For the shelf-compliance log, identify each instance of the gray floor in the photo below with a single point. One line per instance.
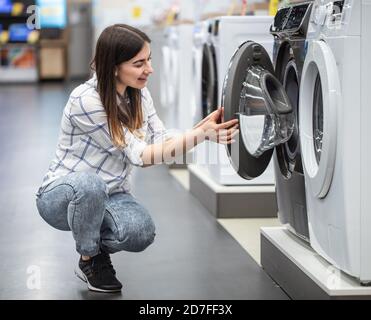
(193, 257)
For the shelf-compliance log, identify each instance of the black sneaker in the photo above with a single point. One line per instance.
(99, 273)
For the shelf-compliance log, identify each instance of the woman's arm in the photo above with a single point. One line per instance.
(208, 129)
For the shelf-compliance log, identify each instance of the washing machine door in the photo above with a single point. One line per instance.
(319, 101)
(209, 80)
(253, 94)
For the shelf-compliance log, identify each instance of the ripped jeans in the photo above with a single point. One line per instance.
(98, 221)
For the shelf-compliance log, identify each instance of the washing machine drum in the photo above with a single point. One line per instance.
(253, 94)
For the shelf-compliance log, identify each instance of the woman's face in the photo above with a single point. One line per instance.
(135, 72)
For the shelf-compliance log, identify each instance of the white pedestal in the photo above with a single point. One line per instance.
(301, 272)
(254, 201)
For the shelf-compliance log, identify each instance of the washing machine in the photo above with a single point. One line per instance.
(156, 83)
(334, 116)
(226, 34)
(290, 32)
(170, 74)
(177, 54)
(266, 101)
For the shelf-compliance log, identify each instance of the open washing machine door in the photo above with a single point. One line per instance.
(319, 101)
(209, 80)
(253, 94)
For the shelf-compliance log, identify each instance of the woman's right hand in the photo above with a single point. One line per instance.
(215, 130)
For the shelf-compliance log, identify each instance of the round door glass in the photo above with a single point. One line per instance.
(266, 113)
(318, 118)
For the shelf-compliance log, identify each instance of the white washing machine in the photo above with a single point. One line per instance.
(335, 131)
(170, 71)
(164, 72)
(227, 34)
(177, 55)
(156, 83)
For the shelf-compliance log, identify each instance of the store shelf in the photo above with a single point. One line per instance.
(18, 63)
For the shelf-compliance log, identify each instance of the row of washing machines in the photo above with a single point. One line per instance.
(298, 84)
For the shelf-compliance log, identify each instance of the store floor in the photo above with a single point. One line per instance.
(193, 256)
(246, 231)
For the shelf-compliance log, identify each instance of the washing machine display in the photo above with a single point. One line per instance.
(295, 18)
(334, 133)
(275, 132)
(280, 19)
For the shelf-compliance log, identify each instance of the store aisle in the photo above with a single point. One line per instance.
(193, 257)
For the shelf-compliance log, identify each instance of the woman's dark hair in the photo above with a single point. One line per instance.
(116, 44)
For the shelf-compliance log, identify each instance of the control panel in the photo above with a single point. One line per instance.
(296, 16)
(290, 18)
(329, 14)
(280, 19)
(338, 6)
(337, 12)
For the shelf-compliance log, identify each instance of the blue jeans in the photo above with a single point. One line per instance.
(98, 221)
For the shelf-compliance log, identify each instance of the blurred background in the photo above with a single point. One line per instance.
(63, 46)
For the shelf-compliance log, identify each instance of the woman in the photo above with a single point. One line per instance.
(108, 126)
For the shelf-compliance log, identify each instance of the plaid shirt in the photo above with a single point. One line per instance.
(85, 143)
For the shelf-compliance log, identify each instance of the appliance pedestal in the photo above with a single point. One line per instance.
(253, 201)
(301, 272)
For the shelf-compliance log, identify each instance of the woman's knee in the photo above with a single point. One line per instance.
(137, 235)
(147, 235)
(141, 233)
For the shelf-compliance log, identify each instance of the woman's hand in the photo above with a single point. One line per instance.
(209, 128)
(216, 131)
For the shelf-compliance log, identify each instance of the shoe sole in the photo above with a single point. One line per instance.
(83, 277)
